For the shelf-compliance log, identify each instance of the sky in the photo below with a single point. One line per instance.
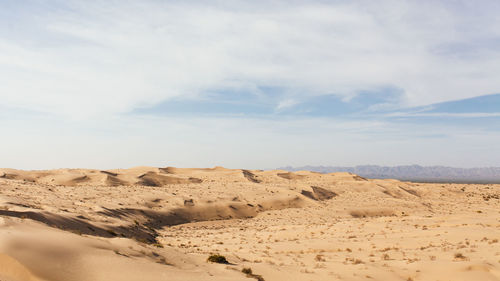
(249, 84)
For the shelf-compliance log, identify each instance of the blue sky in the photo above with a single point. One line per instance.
(257, 84)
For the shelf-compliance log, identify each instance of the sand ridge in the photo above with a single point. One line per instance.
(283, 225)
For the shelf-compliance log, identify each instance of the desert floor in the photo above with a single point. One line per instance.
(163, 223)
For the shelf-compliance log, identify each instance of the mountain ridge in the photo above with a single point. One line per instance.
(413, 172)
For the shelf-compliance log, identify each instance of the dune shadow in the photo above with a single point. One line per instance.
(80, 226)
(142, 224)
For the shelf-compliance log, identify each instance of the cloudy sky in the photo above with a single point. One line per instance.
(249, 84)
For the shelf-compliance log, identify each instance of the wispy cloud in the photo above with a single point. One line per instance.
(286, 104)
(82, 59)
(444, 114)
(253, 84)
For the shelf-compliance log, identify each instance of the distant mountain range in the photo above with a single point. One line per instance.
(414, 173)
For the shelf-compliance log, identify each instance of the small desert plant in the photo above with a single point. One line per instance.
(217, 259)
(248, 272)
(259, 278)
(357, 261)
(460, 256)
(319, 258)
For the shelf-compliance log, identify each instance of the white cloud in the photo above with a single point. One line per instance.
(445, 114)
(287, 103)
(97, 58)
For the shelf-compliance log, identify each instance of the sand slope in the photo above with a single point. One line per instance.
(149, 223)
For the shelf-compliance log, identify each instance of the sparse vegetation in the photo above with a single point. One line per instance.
(460, 256)
(216, 258)
(248, 272)
(320, 258)
(308, 239)
(357, 261)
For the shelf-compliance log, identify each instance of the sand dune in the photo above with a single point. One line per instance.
(147, 176)
(148, 223)
(11, 270)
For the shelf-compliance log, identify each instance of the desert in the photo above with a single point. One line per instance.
(148, 223)
(284, 140)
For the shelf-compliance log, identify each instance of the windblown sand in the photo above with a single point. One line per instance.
(163, 223)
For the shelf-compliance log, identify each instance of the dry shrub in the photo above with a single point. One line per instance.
(217, 259)
(460, 256)
(320, 258)
(248, 272)
(357, 261)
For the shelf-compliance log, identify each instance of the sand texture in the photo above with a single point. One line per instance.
(156, 224)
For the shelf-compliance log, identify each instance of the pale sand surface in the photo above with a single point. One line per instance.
(162, 223)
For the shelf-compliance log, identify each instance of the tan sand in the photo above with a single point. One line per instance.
(150, 223)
